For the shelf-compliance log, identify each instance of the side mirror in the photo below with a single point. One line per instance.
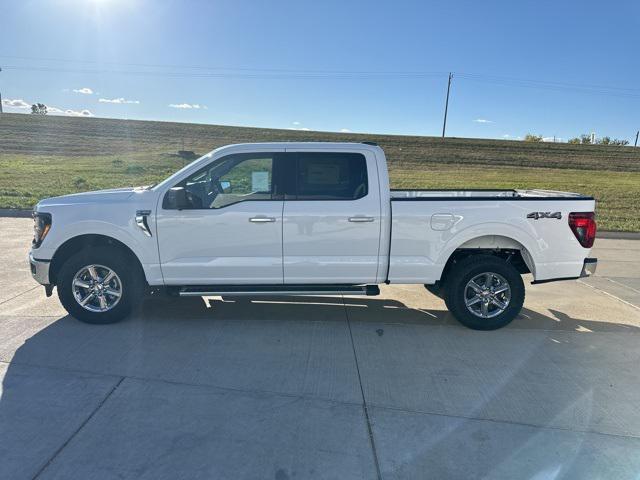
(175, 199)
(226, 186)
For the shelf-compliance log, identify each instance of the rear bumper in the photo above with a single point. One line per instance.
(588, 268)
(39, 270)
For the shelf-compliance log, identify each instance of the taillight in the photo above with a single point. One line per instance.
(583, 226)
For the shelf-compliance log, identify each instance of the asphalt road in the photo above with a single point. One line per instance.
(322, 387)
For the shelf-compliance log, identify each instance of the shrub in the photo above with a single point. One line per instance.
(80, 182)
(618, 142)
(529, 137)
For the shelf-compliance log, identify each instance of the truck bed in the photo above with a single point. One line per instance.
(480, 194)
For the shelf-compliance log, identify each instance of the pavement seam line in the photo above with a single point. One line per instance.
(341, 402)
(508, 422)
(609, 295)
(372, 441)
(184, 384)
(72, 436)
(19, 294)
(622, 285)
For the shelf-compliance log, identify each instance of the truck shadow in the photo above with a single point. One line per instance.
(276, 345)
(361, 309)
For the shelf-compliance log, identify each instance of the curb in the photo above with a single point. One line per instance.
(20, 213)
(15, 213)
(618, 235)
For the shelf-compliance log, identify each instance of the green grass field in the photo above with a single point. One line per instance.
(46, 156)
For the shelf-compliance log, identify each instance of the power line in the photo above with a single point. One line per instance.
(234, 74)
(284, 74)
(214, 70)
(524, 81)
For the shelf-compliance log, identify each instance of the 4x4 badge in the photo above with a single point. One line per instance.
(537, 215)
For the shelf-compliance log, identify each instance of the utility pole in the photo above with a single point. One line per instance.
(446, 106)
(635, 144)
(0, 97)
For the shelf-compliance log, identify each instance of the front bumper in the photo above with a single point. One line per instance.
(39, 270)
(589, 267)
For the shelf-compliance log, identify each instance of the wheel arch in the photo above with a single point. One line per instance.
(83, 242)
(511, 250)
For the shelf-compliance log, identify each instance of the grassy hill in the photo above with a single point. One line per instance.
(46, 156)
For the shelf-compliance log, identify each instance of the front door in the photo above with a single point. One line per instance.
(230, 232)
(331, 229)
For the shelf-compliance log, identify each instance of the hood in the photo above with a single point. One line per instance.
(113, 195)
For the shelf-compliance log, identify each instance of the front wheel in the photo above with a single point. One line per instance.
(484, 292)
(99, 286)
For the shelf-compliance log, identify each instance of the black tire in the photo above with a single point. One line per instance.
(130, 277)
(456, 293)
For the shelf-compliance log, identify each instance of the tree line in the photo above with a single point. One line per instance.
(583, 139)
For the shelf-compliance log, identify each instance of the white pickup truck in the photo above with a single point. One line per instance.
(306, 219)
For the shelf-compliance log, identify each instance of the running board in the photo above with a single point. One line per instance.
(273, 290)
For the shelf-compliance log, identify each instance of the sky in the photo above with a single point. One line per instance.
(557, 69)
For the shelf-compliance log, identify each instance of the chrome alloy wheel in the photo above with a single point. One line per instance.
(97, 288)
(487, 295)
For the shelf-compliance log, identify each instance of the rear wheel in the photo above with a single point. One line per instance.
(484, 292)
(99, 285)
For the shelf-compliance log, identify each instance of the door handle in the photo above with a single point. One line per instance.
(262, 219)
(361, 219)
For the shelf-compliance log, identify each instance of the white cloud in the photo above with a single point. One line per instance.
(345, 130)
(69, 112)
(83, 90)
(16, 103)
(19, 103)
(483, 120)
(81, 113)
(195, 106)
(298, 127)
(117, 100)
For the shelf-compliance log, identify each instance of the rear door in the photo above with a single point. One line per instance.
(331, 218)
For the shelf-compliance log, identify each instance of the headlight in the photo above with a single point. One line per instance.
(41, 226)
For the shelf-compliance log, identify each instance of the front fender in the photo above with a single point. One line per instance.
(120, 228)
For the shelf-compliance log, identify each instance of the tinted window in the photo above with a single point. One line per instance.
(230, 180)
(331, 176)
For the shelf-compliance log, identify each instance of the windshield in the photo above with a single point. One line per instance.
(173, 177)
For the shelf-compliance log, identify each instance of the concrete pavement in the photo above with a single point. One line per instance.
(618, 269)
(322, 387)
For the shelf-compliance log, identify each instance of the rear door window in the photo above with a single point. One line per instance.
(331, 176)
